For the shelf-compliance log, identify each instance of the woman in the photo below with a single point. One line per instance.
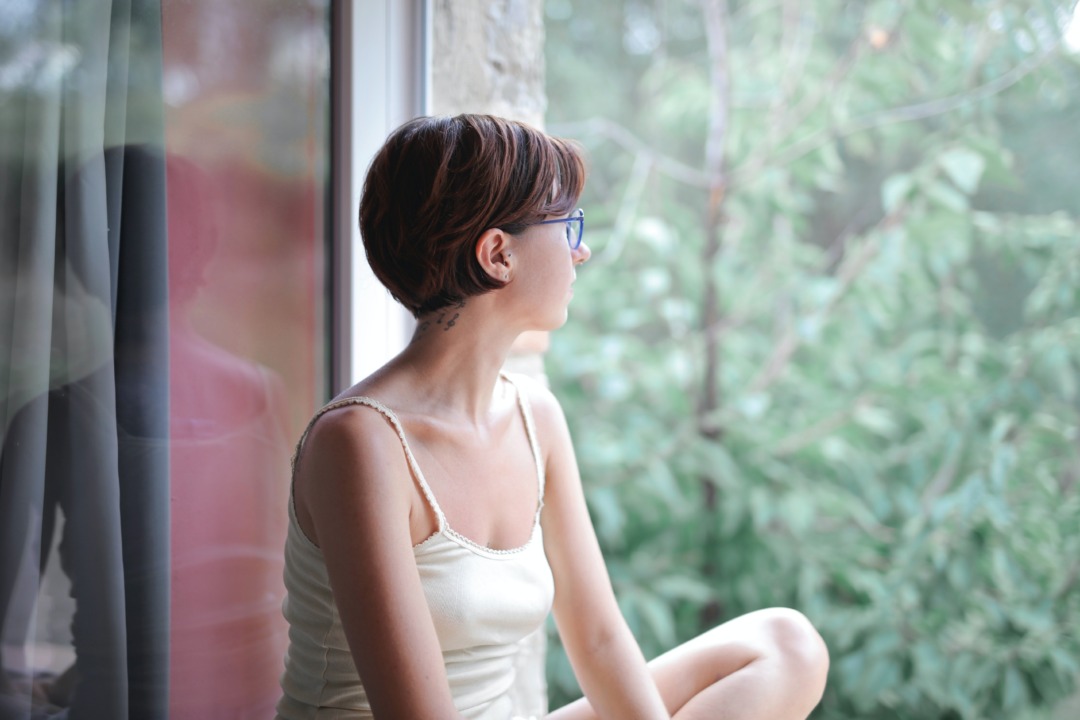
(437, 510)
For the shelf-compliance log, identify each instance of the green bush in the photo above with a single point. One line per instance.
(889, 320)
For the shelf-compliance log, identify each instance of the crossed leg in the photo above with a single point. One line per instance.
(765, 665)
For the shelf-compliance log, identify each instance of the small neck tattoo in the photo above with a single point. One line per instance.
(446, 318)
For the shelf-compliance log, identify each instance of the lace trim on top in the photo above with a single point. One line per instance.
(443, 526)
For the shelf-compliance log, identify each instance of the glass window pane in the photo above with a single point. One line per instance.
(245, 87)
(163, 196)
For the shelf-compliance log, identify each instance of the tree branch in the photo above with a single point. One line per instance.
(716, 27)
(943, 478)
(905, 113)
(715, 16)
(693, 177)
(624, 138)
(840, 71)
(790, 341)
(631, 200)
(793, 442)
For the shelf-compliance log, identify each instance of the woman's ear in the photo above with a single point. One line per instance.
(493, 252)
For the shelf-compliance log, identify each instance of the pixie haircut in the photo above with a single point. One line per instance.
(439, 183)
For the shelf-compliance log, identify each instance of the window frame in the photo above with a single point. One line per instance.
(380, 77)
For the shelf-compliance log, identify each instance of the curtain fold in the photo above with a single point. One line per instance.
(84, 356)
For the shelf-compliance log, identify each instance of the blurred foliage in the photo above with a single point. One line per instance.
(895, 449)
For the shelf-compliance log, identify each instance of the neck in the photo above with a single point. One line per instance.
(451, 366)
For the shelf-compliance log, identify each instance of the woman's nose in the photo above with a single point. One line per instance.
(582, 253)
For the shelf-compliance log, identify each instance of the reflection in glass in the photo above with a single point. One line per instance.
(245, 86)
(161, 340)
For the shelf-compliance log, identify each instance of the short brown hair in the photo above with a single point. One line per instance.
(438, 183)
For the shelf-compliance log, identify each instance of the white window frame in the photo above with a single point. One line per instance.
(380, 78)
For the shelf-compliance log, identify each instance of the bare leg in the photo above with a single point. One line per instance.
(766, 665)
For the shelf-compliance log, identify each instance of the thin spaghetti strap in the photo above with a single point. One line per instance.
(530, 430)
(396, 424)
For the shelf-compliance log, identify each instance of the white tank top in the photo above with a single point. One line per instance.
(483, 602)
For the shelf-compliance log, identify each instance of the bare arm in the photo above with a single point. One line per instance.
(605, 656)
(354, 485)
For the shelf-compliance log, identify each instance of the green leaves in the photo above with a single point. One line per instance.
(897, 321)
(895, 190)
(964, 167)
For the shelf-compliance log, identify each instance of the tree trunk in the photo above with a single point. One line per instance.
(716, 26)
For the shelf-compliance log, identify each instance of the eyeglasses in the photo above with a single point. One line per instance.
(573, 236)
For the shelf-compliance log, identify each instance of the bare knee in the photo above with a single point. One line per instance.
(793, 639)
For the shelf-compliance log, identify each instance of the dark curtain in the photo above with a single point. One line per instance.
(83, 354)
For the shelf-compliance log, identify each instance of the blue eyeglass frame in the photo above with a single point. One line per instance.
(574, 241)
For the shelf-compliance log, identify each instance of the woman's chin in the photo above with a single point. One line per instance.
(553, 323)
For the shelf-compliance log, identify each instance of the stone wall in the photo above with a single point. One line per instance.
(488, 57)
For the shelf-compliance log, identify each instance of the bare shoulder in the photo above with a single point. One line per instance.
(351, 458)
(350, 431)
